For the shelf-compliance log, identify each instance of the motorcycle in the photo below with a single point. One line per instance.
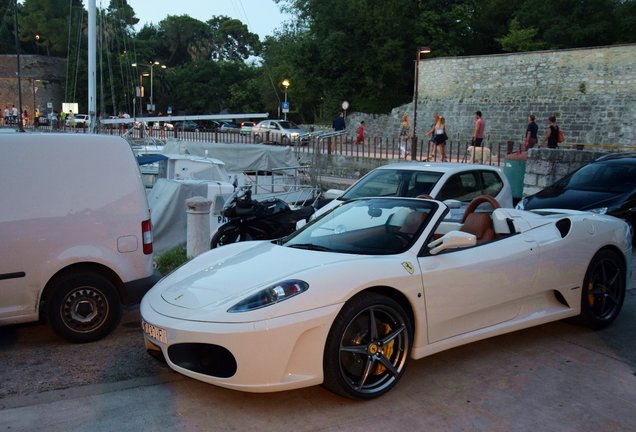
(249, 219)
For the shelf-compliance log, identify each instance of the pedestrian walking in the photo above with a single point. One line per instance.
(361, 130)
(479, 129)
(530, 138)
(431, 141)
(404, 136)
(14, 115)
(338, 123)
(7, 115)
(441, 137)
(551, 136)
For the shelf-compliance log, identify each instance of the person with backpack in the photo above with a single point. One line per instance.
(553, 135)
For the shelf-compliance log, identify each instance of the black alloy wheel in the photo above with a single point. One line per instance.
(368, 347)
(603, 290)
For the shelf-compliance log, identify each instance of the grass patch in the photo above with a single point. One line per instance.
(171, 259)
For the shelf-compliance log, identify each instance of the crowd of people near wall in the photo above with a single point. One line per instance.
(438, 134)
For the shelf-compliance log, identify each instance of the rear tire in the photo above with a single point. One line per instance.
(83, 307)
(603, 290)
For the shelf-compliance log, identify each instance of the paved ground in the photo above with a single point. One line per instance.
(555, 377)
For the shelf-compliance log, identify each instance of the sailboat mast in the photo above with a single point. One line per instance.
(92, 65)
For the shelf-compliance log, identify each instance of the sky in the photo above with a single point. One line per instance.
(261, 16)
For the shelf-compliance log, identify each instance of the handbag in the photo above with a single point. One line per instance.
(560, 136)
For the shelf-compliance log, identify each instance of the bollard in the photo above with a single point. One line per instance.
(198, 226)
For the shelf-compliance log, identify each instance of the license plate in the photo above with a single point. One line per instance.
(154, 332)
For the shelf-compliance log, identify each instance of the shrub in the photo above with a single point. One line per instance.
(171, 259)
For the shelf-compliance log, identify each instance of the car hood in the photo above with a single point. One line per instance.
(572, 199)
(220, 278)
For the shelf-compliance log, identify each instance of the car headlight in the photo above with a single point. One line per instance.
(600, 210)
(271, 295)
(521, 205)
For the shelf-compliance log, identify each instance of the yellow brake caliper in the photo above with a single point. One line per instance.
(388, 351)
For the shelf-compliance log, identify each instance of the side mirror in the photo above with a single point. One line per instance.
(452, 240)
(333, 193)
(453, 203)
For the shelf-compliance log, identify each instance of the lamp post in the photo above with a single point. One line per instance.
(418, 55)
(151, 66)
(285, 84)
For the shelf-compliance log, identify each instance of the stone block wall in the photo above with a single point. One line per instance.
(545, 166)
(42, 81)
(592, 92)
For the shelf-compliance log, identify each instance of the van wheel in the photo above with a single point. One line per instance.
(83, 307)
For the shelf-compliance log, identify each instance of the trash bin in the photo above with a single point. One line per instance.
(515, 170)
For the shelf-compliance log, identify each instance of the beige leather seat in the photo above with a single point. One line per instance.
(412, 222)
(480, 225)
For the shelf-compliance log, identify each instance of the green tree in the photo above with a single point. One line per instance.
(44, 25)
(520, 39)
(231, 40)
(185, 39)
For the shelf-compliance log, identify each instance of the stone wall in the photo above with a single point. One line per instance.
(592, 92)
(545, 166)
(42, 81)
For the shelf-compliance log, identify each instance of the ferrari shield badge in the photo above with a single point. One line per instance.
(408, 267)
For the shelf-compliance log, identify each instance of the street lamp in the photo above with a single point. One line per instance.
(420, 51)
(285, 84)
(151, 66)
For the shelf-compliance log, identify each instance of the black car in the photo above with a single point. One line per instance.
(606, 186)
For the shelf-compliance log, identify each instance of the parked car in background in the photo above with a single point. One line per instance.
(246, 127)
(186, 125)
(229, 126)
(351, 298)
(279, 132)
(604, 186)
(208, 125)
(81, 120)
(162, 125)
(440, 180)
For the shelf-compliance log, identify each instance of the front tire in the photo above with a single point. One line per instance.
(226, 234)
(83, 307)
(368, 347)
(603, 290)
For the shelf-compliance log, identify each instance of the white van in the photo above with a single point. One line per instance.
(75, 232)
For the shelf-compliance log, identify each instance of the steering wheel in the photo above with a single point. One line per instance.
(476, 202)
(424, 196)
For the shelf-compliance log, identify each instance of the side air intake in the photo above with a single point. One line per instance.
(564, 226)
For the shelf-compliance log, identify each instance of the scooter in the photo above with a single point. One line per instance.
(249, 219)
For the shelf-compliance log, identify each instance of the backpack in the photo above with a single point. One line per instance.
(560, 136)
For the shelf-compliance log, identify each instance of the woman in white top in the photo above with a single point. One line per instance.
(441, 137)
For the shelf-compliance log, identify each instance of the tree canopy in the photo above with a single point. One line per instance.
(362, 51)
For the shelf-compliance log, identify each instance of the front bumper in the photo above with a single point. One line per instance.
(279, 354)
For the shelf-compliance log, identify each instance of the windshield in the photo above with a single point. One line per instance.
(389, 182)
(600, 177)
(288, 125)
(370, 226)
